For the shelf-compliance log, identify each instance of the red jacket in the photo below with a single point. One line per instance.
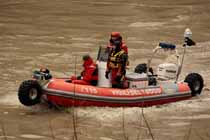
(90, 72)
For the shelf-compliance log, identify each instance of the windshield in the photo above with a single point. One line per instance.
(103, 54)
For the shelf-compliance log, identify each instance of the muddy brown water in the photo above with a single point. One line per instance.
(35, 33)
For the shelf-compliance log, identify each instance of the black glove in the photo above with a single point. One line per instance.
(107, 74)
(79, 77)
(118, 78)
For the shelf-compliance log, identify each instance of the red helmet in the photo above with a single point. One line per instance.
(87, 60)
(115, 34)
(86, 57)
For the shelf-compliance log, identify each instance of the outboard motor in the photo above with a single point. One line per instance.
(167, 71)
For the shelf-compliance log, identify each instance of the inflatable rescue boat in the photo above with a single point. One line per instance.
(144, 87)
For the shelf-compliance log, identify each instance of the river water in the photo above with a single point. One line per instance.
(35, 33)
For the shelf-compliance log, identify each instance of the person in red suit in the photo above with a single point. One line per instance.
(117, 61)
(89, 76)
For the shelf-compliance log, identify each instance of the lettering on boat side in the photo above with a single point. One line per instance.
(133, 92)
(89, 90)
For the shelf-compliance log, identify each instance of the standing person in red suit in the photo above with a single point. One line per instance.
(117, 61)
(89, 76)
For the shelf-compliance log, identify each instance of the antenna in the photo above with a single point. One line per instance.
(187, 37)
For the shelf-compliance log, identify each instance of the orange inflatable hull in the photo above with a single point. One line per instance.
(63, 93)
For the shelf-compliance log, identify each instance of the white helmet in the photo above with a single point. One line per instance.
(188, 33)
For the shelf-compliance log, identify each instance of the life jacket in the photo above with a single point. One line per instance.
(115, 59)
